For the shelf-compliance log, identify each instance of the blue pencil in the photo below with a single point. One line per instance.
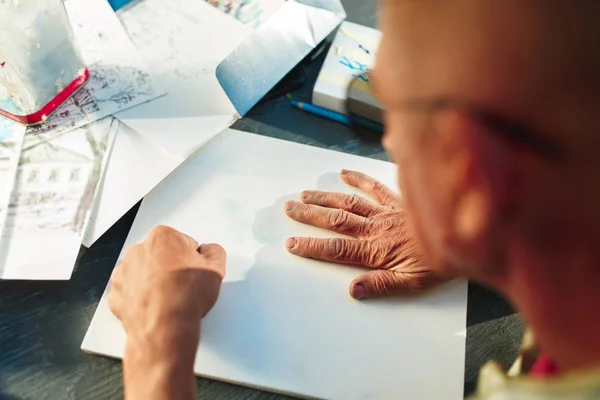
(335, 116)
(322, 112)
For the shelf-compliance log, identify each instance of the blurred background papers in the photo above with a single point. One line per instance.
(215, 68)
(257, 64)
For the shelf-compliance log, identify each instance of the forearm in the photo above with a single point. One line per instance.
(160, 367)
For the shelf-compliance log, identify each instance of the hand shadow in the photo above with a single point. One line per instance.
(251, 336)
(253, 339)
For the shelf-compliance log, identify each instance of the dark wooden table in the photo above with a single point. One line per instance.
(42, 324)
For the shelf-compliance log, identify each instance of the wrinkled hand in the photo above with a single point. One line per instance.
(382, 242)
(168, 282)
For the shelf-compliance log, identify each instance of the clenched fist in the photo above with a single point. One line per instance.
(382, 243)
(160, 292)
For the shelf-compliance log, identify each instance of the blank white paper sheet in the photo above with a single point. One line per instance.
(283, 323)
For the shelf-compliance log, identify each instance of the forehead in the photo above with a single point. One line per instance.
(468, 47)
(505, 53)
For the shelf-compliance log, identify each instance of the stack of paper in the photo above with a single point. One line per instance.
(352, 53)
(52, 171)
(155, 70)
(214, 67)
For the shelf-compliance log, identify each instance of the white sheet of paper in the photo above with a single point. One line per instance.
(56, 183)
(183, 41)
(136, 166)
(283, 323)
(119, 78)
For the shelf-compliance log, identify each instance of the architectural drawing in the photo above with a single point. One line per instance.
(119, 78)
(56, 183)
(57, 179)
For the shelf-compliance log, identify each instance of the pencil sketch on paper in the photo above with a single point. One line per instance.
(165, 31)
(119, 79)
(109, 89)
(250, 12)
(57, 181)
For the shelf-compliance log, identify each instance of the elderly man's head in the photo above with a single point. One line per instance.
(493, 117)
(492, 114)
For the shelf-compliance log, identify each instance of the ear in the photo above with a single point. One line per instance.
(485, 187)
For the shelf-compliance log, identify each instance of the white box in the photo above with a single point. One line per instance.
(352, 52)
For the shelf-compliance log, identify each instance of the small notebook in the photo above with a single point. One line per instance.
(352, 53)
(283, 323)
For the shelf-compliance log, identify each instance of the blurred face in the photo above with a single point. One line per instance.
(486, 52)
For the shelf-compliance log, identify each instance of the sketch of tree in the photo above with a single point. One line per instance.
(119, 85)
(99, 147)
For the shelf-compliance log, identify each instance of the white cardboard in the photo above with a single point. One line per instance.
(284, 323)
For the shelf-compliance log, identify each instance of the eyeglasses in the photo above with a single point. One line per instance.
(365, 114)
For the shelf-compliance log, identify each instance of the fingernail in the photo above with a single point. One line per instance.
(345, 172)
(306, 194)
(291, 243)
(359, 292)
(290, 205)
